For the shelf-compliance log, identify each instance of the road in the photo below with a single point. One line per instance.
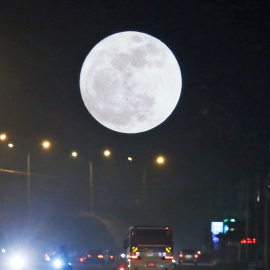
(182, 267)
(77, 266)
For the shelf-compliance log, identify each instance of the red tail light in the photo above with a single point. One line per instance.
(122, 268)
(181, 255)
(81, 259)
(89, 255)
(196, 256)
(168, 257)
(111, 257)
(100, 256)
(134, 257)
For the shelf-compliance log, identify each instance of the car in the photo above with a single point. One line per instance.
(188, 256)
(121, 264)
(109, 256)
(95, 256)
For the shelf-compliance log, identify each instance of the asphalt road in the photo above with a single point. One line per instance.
(77, 266)
(182, 267)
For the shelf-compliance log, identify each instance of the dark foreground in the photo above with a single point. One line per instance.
(182, 267)
(78, 266)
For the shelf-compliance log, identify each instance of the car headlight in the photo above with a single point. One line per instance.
(58, 263)
(17, 262)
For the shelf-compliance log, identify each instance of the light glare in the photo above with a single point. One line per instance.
(58, 263)
(17, 262)
(46, 144)
(74, 154)
(107, 153)
(3, 137)
(160, 160)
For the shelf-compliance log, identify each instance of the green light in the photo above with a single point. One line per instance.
(232, 220)
(225, 220)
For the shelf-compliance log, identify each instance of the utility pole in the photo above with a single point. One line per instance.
(247, 220)
(91, 187)
(266, 210)
(28, 187)
(266, 222)
(258, 200)
(143, 186)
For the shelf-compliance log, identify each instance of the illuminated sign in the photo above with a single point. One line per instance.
(216, 228)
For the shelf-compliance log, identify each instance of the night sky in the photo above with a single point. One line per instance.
(216, 138)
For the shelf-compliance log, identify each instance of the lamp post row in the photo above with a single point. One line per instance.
(160, 160)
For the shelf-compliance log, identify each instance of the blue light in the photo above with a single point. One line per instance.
(215, 238)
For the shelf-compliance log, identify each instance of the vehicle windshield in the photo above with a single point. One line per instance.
(190, 251)
(151, 237)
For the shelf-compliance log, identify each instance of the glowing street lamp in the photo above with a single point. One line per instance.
(74, 154)
(107, 153)
(3, 136)
(130, 159)
(10, 145)
(46, 144)
(160, 160)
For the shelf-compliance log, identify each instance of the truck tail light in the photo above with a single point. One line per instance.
(168, 257)
(134, 257)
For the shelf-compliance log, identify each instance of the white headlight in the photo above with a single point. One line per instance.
(17, 262)
(57, 263)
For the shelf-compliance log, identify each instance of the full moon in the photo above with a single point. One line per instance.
(130, 82)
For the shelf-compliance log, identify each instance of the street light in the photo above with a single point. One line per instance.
(160, 160)
(106, 153)
(45, 145)
(3, 136)
(10, 145)
(74, 154)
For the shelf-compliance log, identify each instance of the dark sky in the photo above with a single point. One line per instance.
(215, 139)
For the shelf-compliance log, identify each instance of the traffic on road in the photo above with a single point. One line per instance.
(146, 247)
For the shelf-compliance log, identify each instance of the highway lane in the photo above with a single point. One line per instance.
(78, 266)
(178, 267)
